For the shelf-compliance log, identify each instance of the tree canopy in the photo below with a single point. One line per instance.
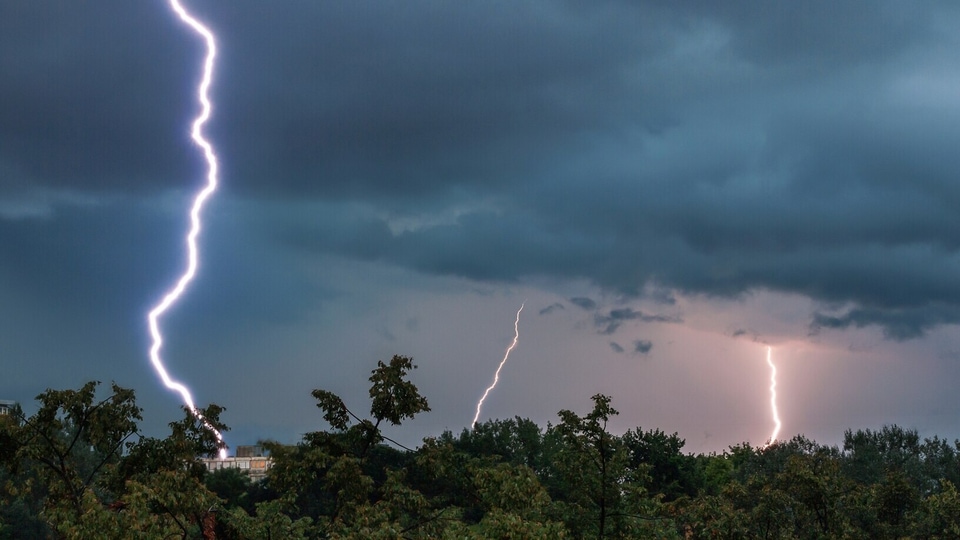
(80, 468)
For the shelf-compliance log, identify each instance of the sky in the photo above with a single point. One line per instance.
(668, 188)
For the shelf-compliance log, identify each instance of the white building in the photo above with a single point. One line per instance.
(249, 459)
(6, 406)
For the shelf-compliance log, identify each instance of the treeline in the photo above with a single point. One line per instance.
(79, 468)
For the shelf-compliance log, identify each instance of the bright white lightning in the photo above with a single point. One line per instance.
(496, 376)
(773, 398)
(173, 294)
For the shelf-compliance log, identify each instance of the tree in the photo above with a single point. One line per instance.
(518, 441)
(938, 516)
(69, 443)
(22, 494)
(869, 455)
(79, 468)
(598, 493)
(393, 398)
(671, 472)
(96, 476)
(328, 476)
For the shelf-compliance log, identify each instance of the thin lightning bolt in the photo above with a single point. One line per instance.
(173, 294)
(773, 398)
(496, 376)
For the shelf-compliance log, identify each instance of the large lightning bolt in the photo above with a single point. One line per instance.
(773, 398)
(174, 293)
(496, 376)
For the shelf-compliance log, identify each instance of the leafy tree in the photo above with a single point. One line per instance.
(598, 493)
(97, 478)
(447, 467)
(78, 468)
(268, 521)
(870, 455)
(69, 442)
(894, 498)
(393, 398)
(672, 474)
(813, 492)
(22, 494)
(592, 459)
(712, 517)
(327, 476)
(235, 489)
(518, 441)
(938, 516)
(940, 461)
(712, 472)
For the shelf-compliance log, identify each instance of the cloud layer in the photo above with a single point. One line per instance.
(656, 151)
(628, 144)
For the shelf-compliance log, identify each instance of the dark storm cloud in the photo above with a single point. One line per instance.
(608, 324)
(415, 102)
(642, 346)
(114, 260)
(898, 324)
(551, 308)
(94, 97)
(584, 303)
(700, 148)
(754, 336)
(840, 32)
(615, 347)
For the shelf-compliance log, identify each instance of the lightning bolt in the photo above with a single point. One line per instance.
(496, 376)
(174, 293)
(773, 398)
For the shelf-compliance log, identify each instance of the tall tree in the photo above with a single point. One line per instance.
(70, 442)
(599, 494)
(328, 476)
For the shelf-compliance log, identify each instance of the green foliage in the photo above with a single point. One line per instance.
(80, 465)
(392, 397)
(78, 468)
(334, 410)
(342, 480)
(598, 492)
(672, 474)
(68, 443)
(938, 516)
(267, 522)
(233, 487)
(518, 441)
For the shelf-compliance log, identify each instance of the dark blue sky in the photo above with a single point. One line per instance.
(669, 185)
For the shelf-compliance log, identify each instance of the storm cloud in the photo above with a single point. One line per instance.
(648, 143)
(642, 346)
(551, 308)
(656, 155)
(583, 303)
(609, 323)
